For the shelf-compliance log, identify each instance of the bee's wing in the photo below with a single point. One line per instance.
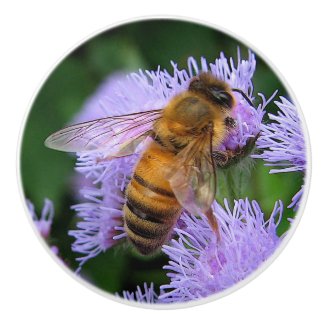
(116, 136)
(193, 176)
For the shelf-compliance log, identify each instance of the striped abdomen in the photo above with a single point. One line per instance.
(151, 208)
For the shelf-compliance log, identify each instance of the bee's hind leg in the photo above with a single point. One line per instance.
(213, 222)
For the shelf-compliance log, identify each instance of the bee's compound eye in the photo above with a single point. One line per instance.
(221, 97)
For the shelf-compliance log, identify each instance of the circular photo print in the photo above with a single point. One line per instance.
(163, 162)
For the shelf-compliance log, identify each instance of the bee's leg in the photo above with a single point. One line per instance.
(213, 223)
(220, 158)
(228, 158)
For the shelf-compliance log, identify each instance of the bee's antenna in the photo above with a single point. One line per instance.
(244, 95)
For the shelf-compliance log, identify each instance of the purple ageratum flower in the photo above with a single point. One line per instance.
(200, 266)
(144, 91)
(282, 140)
(102, 214)
(44, 223)
(145, 295)
(283, 145)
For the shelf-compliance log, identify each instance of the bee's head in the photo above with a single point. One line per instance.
(212, 89)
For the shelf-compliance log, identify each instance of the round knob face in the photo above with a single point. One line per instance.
(139, 203)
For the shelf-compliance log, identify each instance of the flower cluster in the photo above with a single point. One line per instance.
(282, 143)
(200, 265)
(282, 140)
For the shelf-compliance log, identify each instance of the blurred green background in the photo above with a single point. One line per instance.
(48, 173)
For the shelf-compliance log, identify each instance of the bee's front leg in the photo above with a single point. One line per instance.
(225, 159)
(228, 158)
(220, 158)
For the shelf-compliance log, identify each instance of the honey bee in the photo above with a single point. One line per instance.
(177, 168)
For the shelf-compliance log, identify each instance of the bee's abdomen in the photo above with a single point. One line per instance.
(151, 208)
(144, 230)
